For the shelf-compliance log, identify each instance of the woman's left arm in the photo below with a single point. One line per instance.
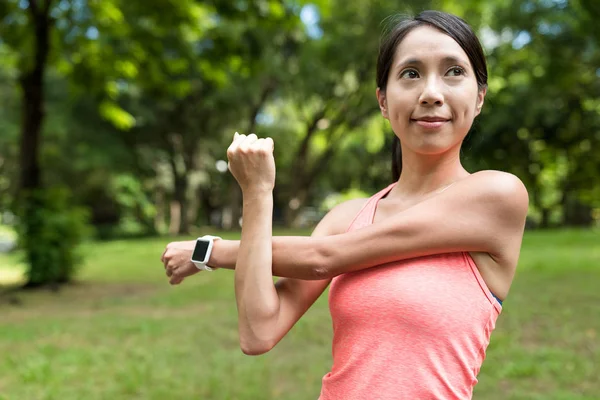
(485, 212)
(482, 213)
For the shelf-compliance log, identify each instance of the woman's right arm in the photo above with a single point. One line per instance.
(296, 296)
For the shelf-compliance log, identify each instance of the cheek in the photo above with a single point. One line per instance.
(401, 103)
(464, 103)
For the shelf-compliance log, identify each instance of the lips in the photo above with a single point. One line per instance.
(431, 122)
(432, 119)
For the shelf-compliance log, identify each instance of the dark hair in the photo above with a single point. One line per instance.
(449, 24)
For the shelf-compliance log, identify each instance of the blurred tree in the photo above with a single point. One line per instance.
(215, 82)
(27, 28)
(543, 112)
(142, 100)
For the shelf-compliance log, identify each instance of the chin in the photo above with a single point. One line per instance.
(434, 148)
(431, 151)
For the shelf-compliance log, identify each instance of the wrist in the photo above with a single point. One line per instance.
(213, 260)
(224, 254)
(257, 192)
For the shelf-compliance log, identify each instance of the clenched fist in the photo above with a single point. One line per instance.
(251, 162)
(177, 261)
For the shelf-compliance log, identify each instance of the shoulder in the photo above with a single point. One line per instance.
(501, 187)
(338, 219)
(503, 193)
(502, 182)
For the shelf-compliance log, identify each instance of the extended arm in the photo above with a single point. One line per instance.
(484, 213)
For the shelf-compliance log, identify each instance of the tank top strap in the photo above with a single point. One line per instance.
(365, 215)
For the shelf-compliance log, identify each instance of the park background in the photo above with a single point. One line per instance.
(114, 121)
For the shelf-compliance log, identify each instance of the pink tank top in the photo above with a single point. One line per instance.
(416, 329)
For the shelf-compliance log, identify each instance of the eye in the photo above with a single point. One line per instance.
(409, 74)
(455, 71)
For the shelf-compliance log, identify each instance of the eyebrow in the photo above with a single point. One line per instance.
(445, 60)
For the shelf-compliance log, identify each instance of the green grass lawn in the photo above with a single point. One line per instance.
(121, 332)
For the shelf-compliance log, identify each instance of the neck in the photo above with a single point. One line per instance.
(422, 175)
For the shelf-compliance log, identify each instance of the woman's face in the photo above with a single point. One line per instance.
(432, 95)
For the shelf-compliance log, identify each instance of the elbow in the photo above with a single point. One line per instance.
(256, 332)
(255, 348)
(321, 264)
(320, 272)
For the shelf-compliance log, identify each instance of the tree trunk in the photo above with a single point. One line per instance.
(575, 213)
(174, 218)
(233, 211)
(33, 117)
(180, 222)
(294, 207)
(159, 201)
(545, 220)
(31, 82)
(32, 86)
(204, 204)
(180, 197)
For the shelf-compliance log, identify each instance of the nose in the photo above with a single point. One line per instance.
(432, 93)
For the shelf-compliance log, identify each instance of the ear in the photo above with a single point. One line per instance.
(381, 99)
(480, 97)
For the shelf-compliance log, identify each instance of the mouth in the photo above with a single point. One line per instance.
(430, 122)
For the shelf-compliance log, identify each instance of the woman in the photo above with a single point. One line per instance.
(418, 271)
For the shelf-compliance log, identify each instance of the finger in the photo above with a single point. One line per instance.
(169, 272)
(238, 136)
(248, 142)
(175, 280)
(162, 258)
(231, 150)
(171, 267)
(266, 145)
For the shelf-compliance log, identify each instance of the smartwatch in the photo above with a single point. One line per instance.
(202, 252)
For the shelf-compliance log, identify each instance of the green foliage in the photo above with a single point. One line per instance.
(154, 90)
(339, 198)
(137, 209)
(50, 231)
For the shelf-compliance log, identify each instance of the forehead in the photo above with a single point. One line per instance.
(426, 42)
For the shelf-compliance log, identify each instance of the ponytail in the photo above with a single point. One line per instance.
(396, 159)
